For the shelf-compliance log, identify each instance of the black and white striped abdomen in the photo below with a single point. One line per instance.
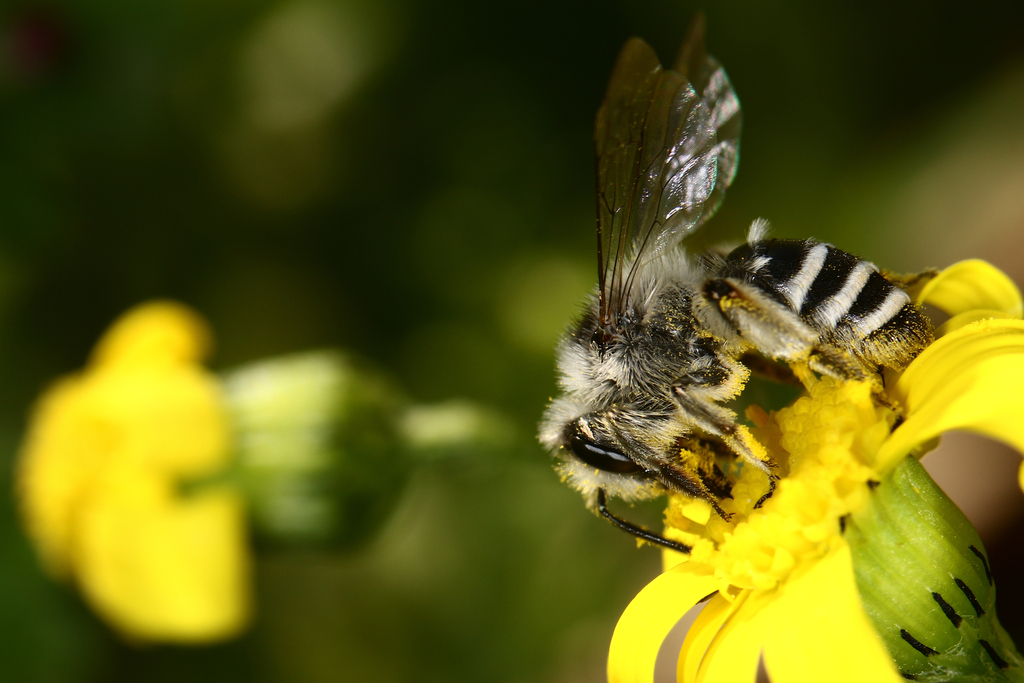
(844, 298)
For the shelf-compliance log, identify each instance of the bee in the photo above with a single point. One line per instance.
(664, 340)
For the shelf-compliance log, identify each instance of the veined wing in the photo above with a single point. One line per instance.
(661, 166)
(712, 84)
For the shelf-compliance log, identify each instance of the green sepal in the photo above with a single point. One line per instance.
(925, 583)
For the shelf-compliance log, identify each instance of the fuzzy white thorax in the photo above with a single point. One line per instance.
(590, 375)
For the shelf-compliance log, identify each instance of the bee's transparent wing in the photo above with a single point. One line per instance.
(660, 160)
(711, 82)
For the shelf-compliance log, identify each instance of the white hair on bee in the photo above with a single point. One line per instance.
(757, 233)
(783, 339)
(672, 267)
(758, 230)
(561, 411)
(832, 310)
(591, 374)
(758, 262)
(727, 390)
(587, 479)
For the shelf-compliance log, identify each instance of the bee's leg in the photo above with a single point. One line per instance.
(911, 280)
(777, 332)
(708, 451)
(721, 422)
(769, 369)
(637, 531)
(743, 311)
(693, 470)
(773, 480)
(833, 362)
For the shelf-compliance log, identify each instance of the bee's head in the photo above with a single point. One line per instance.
(589, 454)
(580, 440)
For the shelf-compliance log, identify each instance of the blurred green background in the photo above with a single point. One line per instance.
(412, 182)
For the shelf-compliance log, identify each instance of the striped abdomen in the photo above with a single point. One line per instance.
(846, 299)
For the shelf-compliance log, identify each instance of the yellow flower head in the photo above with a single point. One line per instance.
(100, 478)
(818, 580)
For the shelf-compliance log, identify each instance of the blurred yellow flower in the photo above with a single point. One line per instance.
(858, 568)
(100, 480)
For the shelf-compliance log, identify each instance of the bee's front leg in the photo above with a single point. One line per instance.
(739, 311)
(721, 422)
(601, 505)
(776, 331)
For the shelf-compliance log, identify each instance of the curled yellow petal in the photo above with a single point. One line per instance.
(700, 636)
(826, 634)
(970, 285)
(736, 649)
(648, 619)
(967, 317)
(970, 379)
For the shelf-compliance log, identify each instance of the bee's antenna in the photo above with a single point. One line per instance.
(639, 532)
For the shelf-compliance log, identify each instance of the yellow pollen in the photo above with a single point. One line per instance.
(825, 445)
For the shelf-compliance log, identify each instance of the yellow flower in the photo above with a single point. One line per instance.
(821, 581)
(100, 479)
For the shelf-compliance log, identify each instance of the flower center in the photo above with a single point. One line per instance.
(825, 444)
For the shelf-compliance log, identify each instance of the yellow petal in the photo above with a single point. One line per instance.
(701, 634)
(736, 649)
(156, 332)
(648, 619)
(970, 285)
(970, 379)
(821, 632)
(162, 570)
(172, 419)
(966, 318)
(62, 450)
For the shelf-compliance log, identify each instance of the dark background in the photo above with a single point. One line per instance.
(412, 181)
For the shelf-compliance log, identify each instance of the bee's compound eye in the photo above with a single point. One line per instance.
(600, 457)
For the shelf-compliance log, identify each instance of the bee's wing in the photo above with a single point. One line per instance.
(661, 166)
(711, 82)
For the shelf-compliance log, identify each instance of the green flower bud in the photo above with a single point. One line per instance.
(926, 585)
(319, 451)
